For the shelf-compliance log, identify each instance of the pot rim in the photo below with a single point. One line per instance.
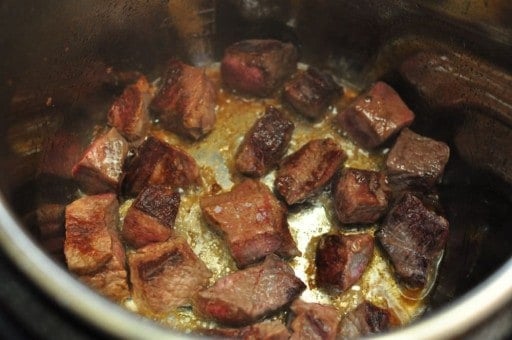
(450, 321)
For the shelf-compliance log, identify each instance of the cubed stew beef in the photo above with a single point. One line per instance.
(164, 189)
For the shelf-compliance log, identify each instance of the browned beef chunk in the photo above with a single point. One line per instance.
(361, 196)
(258, 67)
(413, 237)
(305, 172)
(157, 162)
(267, 330)
(166, 275)
(251, 220)
(49, 219)
(375, 116)
(60, 153)
(129, 112)
(101, 166)
(314, 321)
(151, 216)
(112, 279)
(186, 101)
(310, 93)
(342, 259)
(416, 161)
(264, 144)
(248, 295)
(366, 319)
(92, 247)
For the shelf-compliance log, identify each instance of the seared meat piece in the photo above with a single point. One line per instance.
(129, 112)
(60, 153)
(186, 101)
(366, 319)
(342, 259)
(413, 237)
(269, 330)
(310, 93)
(251, 220)
(264, 144)
(92, 247)
(314, 321)
(112, 279)
(258, 67)
(416, 161)
(375, 116)
(305, 172)
(157, 162)
(166, 275)
(101, 166)
(151, 216)
(361, 196)
(247, 295)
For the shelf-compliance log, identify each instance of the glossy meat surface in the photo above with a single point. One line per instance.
(264, 144)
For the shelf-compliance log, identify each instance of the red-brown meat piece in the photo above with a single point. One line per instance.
(129, 112)
(265, 144)
(361, 196)
(157, 162)
(258, 67)
(248, 295)
(305, 172)
(101, 166)
(92, 247)
(375, 116)
(342, 259)
(416, 161)
(165, 276)
(366, 319)
(268, 330)
(413, 237)
(186, 101)
(251, 220)
(151, 217)
(314, 321)
(311, 92)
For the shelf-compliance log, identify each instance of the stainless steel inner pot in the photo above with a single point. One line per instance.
(60, 60)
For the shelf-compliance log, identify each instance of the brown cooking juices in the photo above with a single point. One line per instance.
(215, 156)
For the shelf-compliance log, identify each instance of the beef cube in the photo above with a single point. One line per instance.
(129, 112)
(305, 172)
(258, 67)
(92, 247)
(112, 279)
(251, 220)
(414, 238)
(365, 320)
(50, 220)
(250, 294)
(269, 330)
(165, 276)
(60, 153)
(186, 101)
(375, 116)
(265, 144)
(157, 162)
(101, 166)
(314, 321)
(361, 196)
(151, 216)
(310, 93)
(416, 161)
(342, 259)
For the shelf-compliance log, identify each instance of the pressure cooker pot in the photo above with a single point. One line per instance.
(446, 66)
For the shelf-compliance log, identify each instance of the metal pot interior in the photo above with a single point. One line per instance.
(63, 61)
